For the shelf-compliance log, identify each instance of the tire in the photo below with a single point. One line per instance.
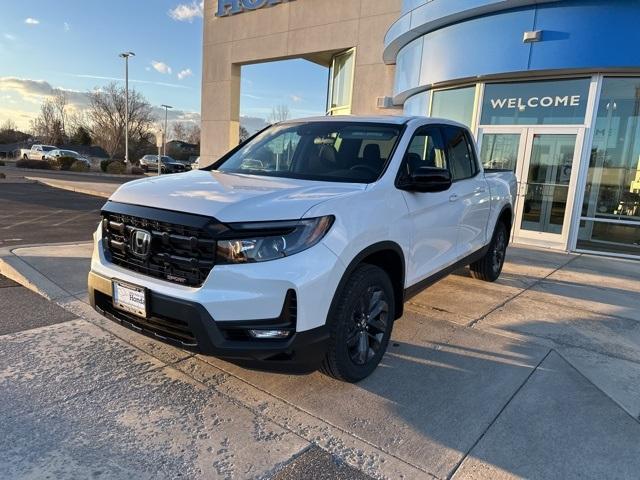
(489, 267)
(352, 323)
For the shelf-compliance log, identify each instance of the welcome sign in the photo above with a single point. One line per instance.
(233, 7)
(559, 102)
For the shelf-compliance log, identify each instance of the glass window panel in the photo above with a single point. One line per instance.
(418, 105)
(341, 80)
(547, 186)
(408, 66)
(499, 151)
(456, 104)
(613, 179)
(609, 237)
(463, 163)
(559, 102)
(426, 150)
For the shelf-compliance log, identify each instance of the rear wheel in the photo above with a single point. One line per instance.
(489, 267)
(360, 326)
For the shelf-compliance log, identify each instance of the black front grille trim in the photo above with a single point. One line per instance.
(183, 246)
(174, 330)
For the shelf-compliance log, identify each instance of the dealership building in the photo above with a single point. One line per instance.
(550, 88)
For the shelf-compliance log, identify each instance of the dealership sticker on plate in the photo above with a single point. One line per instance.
(130, 298)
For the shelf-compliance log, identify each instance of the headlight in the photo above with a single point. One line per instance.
(272, 240)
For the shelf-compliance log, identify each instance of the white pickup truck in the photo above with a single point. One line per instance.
(36, 152)
(298, 248)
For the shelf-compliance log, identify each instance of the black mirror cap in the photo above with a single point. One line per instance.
(427, 179)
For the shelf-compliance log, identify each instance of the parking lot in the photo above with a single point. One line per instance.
(535, 376)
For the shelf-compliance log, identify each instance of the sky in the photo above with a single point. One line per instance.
(73, 45)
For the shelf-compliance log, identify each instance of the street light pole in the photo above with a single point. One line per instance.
(166, 133)
(126, 56)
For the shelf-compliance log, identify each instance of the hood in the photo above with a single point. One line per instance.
(232, 197)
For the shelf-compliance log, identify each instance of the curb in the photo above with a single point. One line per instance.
(55, 184)
(18, 270)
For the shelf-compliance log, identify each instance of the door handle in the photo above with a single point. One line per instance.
(453, 198)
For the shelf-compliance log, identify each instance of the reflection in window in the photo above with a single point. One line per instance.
(418, 105)
(499, 151)
(341, 83)
(612, 192)
(408, 66)
(456, 104)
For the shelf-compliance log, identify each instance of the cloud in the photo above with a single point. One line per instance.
(9, 37)
(185, 73)
(35, 91)
(295, 98)
(31, 21)
(66, 27)
(161, 67)
(187, 12)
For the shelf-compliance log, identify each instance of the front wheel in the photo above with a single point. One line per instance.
(360, 325)
(489, 267)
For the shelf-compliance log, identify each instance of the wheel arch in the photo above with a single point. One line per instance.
(386, 255)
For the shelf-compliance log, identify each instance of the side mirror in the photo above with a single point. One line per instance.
(427, 179)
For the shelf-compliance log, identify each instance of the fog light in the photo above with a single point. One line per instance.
(269, 333)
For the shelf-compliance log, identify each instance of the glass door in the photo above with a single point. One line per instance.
(545, 161)
(547, 179)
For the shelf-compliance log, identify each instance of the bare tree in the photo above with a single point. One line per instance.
(47, 125)
(279, 113)
(8, 126)
(60, 105)
(244, 133)
(179, 131)
(106, 118)
(193, 134)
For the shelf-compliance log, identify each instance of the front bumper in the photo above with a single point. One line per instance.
(189, 325)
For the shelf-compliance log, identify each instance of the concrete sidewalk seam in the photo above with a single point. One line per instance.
(637, 420)
(482, 435)
(473, 323)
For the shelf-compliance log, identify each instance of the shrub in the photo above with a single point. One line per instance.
(2, 176)
(104, 164)
(79, 166)
(137, 171)
(66, 162)
(116, 167)
(39, 164)
(2, 164)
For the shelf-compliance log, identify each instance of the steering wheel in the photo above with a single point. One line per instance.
(362, 166)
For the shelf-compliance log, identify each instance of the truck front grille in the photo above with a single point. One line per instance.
(182, 252)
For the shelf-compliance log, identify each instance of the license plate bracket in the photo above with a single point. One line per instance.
(130, 298)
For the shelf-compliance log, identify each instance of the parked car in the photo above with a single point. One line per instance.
(196, 164)
(298, 248)
(36, 152)
(57, 153)
(149, 163)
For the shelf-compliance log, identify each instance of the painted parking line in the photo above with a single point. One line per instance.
(71, 219)
(30, 220)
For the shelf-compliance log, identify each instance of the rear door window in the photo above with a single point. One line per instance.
(463, 163)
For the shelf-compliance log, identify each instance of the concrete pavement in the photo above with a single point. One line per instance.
(535, 376)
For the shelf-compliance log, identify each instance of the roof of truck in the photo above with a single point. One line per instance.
(389, 119)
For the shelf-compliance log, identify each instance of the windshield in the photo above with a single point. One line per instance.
(328, 151)
(68, 153)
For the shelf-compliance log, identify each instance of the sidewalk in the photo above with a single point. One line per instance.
(536, 376)
(97, 189)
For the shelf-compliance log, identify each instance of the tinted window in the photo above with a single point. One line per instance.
(459, 151)
(425, 150)
(330, 151)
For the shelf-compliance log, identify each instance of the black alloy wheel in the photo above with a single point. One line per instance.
(360, 324)
(370, 319)
(489, 267)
